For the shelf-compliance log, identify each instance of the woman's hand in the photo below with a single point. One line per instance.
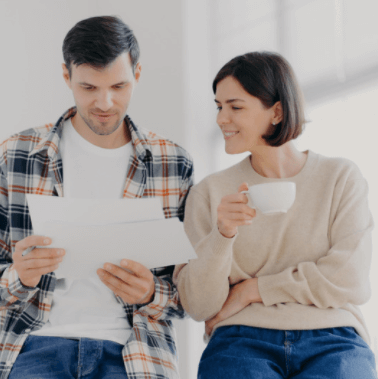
(239, 297)
(233, 211)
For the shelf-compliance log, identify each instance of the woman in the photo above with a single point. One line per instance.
(279, 293)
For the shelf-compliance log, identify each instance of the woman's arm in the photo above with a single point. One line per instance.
(341, 276)
(203, 283)
(240, 296)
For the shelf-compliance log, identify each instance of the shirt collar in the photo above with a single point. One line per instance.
(51, 141)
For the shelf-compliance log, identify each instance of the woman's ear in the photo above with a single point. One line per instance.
(277, 113)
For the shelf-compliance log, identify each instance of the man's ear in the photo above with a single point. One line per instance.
(66, 75)
(138, 69)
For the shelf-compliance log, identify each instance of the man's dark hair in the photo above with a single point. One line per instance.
(98, 41)
(269, 77)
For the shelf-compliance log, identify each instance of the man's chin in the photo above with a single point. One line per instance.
(104, 128)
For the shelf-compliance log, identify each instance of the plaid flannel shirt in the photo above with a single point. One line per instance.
(30, 163)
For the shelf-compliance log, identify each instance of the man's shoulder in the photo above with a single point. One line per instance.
(163, 147)
(25, 140)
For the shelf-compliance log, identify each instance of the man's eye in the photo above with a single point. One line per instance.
(88, 88)
(119, 87)
(236, 108)
(219, 108)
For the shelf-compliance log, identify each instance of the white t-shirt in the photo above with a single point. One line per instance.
(86, 307)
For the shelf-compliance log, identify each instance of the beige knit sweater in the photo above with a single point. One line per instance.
(312, 263)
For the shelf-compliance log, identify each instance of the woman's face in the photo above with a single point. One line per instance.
(242, 117)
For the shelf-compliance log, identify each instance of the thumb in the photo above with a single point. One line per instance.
(243, 187)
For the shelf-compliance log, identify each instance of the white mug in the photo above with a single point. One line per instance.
(272, 198)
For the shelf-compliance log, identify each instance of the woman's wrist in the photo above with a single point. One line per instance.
(252, 291)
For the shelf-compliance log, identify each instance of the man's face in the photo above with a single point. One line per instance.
(102, 96)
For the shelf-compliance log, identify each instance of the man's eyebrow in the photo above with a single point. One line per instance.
(86, 84)
(229, 101)
(91, 85)
(121, 83)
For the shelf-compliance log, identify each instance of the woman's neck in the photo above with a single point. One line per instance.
(278, 162)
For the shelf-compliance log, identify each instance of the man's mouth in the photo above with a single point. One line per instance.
(103, 116)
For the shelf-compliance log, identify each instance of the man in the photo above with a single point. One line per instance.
(115, 324)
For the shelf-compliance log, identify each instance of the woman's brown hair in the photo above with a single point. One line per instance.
(269, 77)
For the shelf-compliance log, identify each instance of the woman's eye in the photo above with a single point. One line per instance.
(236, 108)
(219, 108)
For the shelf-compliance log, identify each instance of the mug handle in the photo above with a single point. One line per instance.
(250, 198)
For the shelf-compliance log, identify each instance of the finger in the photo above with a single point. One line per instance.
(32, 264)
(124, 295)
(243, 187)
(44, 254)
(126, 276)
(237, 216)
(42, 271)
(28, 242)
(118, 286)
(241, 208)
(137, 268)
(31, 241)
(235, 198)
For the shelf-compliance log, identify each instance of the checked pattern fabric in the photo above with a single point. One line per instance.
(30, 163)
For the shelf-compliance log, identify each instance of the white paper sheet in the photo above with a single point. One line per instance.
(97, 231)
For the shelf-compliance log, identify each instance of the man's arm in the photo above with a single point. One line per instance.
(166, 303)
(20, 274)
(153, 292)
(12, 292)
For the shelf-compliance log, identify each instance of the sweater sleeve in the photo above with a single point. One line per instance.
(341, 276)
(203, 283)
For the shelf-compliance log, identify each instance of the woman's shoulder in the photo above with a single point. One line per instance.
(337, 166)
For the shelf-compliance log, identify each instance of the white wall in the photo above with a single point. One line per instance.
(31, 35)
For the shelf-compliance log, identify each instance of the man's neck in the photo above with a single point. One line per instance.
(118, 138)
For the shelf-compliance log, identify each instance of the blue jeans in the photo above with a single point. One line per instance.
(246, 352)
(62, 358)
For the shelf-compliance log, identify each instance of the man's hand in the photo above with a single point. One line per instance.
(233, 211)
(38, 262)
(239, 297)
(132, 282)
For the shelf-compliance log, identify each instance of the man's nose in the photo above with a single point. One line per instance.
(104, 101)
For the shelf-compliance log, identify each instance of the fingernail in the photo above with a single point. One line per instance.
(108, 267)
(101, 273)
(60, 252)
(46, 241)
(124, 263)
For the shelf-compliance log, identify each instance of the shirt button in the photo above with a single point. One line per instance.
(27, 330)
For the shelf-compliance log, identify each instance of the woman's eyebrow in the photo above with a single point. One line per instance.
(229, 101)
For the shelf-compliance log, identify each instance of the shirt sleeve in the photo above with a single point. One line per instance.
(341, 276)
(12, 292)
(203, 283)
(166, 303)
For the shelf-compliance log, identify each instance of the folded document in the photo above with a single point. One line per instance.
(96, 231)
